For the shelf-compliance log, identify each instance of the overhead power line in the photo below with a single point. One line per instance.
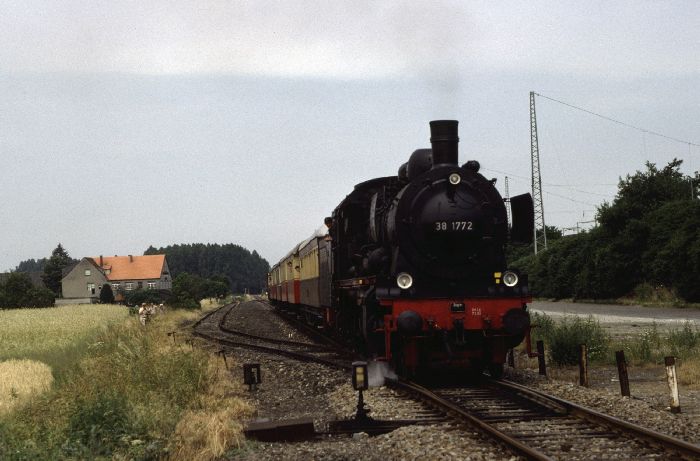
(628, 125)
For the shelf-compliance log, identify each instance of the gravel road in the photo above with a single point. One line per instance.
(622, 320)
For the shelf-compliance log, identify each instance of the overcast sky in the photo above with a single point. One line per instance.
(129, 124)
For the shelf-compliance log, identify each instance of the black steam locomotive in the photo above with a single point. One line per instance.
(413, 267)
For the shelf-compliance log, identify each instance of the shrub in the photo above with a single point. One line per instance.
(106, 294)
(683, 342)
(564, 337)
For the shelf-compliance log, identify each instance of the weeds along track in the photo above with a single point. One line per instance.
(543, 427)
(250, 325)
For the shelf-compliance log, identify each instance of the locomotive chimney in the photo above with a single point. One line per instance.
(443, 137)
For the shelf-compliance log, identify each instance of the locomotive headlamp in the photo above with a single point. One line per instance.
(455, 179)
(404, 280)
(510, 279)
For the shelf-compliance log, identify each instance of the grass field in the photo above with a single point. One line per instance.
(36, 344)
(124, 391)
(51, 335)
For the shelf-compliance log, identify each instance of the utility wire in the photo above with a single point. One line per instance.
(510, 175)
(643, 130)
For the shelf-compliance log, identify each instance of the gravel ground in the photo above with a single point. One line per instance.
(682, 426)
(292, 389)
(648, 382)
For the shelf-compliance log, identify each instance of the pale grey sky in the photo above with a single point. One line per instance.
(126, 124)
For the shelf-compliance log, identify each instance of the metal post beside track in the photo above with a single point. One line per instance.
(540, 358)
(622, 373)
(583, 365)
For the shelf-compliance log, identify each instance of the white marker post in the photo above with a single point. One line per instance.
(672, 383)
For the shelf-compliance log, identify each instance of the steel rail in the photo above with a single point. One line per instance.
(306, 328)
(450, 407)
(275, 351)
(681, 447)
(222, 327)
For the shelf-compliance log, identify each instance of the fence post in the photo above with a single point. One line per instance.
(622, 373)
(583, 365)
(540, 358)
(511, 358)
(672, 383)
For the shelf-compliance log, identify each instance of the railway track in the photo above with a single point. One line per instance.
(542, 427)
(532, 424)
(232, 338)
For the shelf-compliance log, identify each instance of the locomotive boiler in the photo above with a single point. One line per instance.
(413, 269)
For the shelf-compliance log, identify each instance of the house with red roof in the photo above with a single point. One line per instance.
(83, 283)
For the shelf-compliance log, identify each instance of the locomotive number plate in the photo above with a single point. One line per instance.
(457, 307)
(453, 226)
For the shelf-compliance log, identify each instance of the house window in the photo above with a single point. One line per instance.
(115, 286)
(108, 271)
(140, 285)
(129, 286)
(91, 288)
(151, 285)
(87, 272)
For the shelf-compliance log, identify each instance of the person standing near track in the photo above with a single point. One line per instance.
(143, 314)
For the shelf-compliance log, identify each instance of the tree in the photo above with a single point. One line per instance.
(31, 265)
(53, 270)
(232, 264)
(107, 295)
(18, 291)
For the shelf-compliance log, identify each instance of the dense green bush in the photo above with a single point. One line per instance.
(563, 337)
(140, 296)
(18, 291)
(650, 234)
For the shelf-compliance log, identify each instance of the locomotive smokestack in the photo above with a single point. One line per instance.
(443, 137)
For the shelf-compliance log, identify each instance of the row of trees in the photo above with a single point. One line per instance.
(648, 236)
(232, 264)
(17, 290)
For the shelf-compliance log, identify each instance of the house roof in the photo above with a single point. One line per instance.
(132, 267)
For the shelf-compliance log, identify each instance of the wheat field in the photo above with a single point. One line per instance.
(33, 342)
(33, 333)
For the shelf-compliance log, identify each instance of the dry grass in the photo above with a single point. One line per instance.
(20, 380)
(133, 393)
(688, 372)
(35, 333)
(215, 425)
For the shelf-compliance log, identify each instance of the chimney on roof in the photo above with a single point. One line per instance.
(131, 259)
(101, 264)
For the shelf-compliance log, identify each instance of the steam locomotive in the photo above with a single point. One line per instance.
(411, 268)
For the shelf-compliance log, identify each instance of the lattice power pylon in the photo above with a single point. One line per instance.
(540, 238)
(507, 200)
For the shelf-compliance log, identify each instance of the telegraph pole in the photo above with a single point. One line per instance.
(540, 238)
